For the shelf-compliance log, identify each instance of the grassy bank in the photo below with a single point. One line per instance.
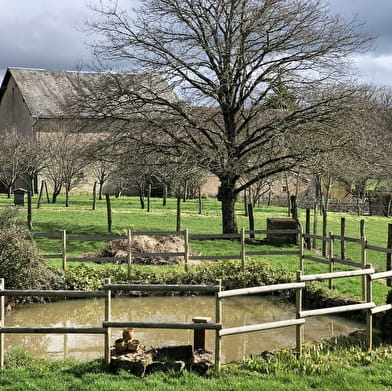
(336, 365)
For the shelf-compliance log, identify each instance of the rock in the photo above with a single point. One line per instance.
(158, 366)
(169, 358)
(175, 353)
(134, 363)
(202, 361)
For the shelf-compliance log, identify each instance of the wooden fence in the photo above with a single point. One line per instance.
(300, 314)
(65, 238)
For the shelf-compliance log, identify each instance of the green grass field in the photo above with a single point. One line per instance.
(80, 219)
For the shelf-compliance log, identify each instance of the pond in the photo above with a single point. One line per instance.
(237, 312)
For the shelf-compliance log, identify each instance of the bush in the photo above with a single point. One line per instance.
(20, 264)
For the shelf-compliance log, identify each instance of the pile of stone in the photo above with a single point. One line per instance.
(130, 355)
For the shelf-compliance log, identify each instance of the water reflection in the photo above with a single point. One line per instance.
(239, 311)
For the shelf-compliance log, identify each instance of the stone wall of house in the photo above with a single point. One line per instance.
(14, 113)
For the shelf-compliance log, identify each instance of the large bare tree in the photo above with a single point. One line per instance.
(259, 83)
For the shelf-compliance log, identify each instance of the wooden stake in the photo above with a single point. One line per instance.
(369, 315)
(95, 196)
(315, 216)
(109, 212)
(186, 248)
(149, 198)
(2, 317)
(64, 249)
(298, 306)
(307, 229)
(342, 240)
(178, 217)
(29, 211)
(129, 252)
(330, 258)
(325, 234)
(243, 249)
(389, 256)
(218, 319)
(108, 304)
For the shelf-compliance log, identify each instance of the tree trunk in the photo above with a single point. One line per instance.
(9, 192)
(100, 190)
(228, 198)
(67, 198)
(54, 196)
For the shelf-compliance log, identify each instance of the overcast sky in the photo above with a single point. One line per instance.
(49, 34)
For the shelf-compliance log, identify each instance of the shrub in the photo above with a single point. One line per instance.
(20, 264)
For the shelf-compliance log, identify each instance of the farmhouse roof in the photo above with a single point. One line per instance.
(48, 94)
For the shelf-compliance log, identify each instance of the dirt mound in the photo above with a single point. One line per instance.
(147, 245)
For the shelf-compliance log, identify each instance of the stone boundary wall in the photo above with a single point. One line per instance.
(344, 207)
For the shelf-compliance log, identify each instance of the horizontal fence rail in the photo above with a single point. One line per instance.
(260, 289)
(261, 327)
(160, 325)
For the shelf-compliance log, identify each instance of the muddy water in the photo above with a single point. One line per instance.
(236, 312)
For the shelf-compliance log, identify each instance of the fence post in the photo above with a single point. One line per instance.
(330, 258)
(178, 215)
(64, 248)
(243, 249)
(186, 248)
(389, 256)
(129, 252)
(363, 265)
(307, 229)
(2, 315)
(149, 198)
(315, 217)
(29, 211)
(301, 248)
(95, 196)
(325, 234)
(369, 315)
(199, 335)
(362, 228)
(109, 212)
(108, 333)
(218, 319)
(298, 306)
(294, 209)
(342, 239)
